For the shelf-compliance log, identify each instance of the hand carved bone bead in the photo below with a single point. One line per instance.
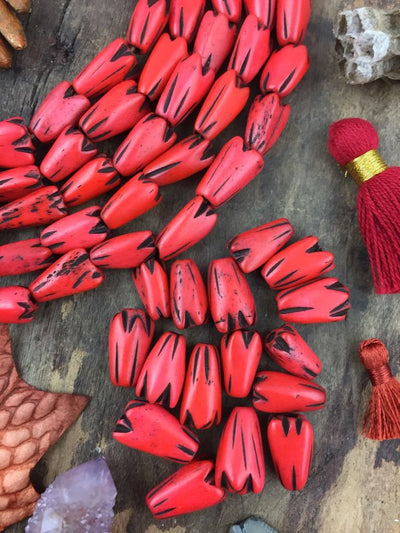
(292, 20)
(124, 251)
(16, 147)
(16, 305)
(264, 10)
(151, 282)
(17, 182)
(184, 18)
(231, 8)
(147, 22)
(24, 256)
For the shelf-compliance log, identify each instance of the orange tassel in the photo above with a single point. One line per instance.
(382, 419)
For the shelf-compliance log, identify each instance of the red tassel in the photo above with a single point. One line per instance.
(382, 420)
(378, 200)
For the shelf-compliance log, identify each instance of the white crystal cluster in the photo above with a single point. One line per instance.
(80, 500)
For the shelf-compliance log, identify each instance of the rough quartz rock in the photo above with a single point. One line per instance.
(79, 500)
(368, 43)
(252, 525)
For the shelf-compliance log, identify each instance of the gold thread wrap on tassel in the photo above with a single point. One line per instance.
(366, 166)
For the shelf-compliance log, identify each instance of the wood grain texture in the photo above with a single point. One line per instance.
(353, 486)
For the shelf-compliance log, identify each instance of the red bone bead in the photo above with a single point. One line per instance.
(110, 66)
(70, 152)
(202, 395)
(16, 147)
(38, 208)
(266, 121)
(215, 39)
(150, 428)
(62, 107)
(185, 89)
(16, 305)
(151, 282)
(149, 138)
(222, 105)
(231, 8)
(117, 111)
(239, 466)
(124, 251)
(136, 197)
(190, 489)
(187, 228)
(292, 20)
(83, 229)
(184, 18)
(322, 300)
(291, 442)
(189, 302)
(240, 355)
(18, 182)
(181, 161)
(70, 274)
(129, 340)
(251, 50)
(264, 10)
(286, 347)
(276, 392)
(147, 22)
(284, 70)
(233, 168)
(300, 262)
(24, 256)
(163, 373)
(161, 63)
(254, 247)
(231, 301)
(93, 179)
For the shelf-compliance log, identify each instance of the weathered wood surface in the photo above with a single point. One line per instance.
(354, 483)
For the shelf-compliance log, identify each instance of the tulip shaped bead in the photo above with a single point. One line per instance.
(151, 282)
(112, 65)
(302, 261)
(287, 348)
(129, 340)
(161, 63)
(202, 395)
(184, 18)
(266, 120)
(189, 302)
(83, 229)
(95, 178)
(62, 107)
(215, 39)
(149, 138)
(38, 208)
(16, 305)
(148, 20)
(152, 429)
(292, 20)
(24, 256)
(117, 111)
(276, 392)
(264, 10)
(322, 300)
(17, 182)
(71, 150)
(291, 442)
(187, 228)
(254, 247)
(185, 89)
(181, 161)
(163, 373)
(124, 251)
(16, 147)
(240, 466)
(240, 355)
(232, 304)
(251, 50)
(231, 8)
(70, 274)
(233, 168)
(224, 102)
(190, 489)
(284, 70)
